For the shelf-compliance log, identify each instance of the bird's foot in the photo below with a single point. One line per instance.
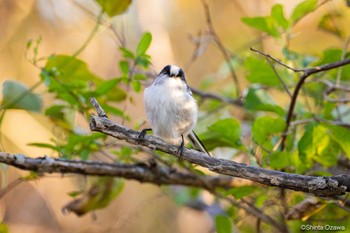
(181, 148)
(142, 135)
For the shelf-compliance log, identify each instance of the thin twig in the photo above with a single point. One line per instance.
(91, 35)
(276, 60)
(251, 209)
(279, 78)
(207, 95)
(197, 51)
(221, 46)
(98, 108)
(11, 186)
(337, 83)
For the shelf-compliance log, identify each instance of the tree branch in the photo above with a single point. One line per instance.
(144, 172)
(305, 74)
(318, 185)
(221, 46)
(207, 95)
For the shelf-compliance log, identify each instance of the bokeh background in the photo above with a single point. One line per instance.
(64, 26)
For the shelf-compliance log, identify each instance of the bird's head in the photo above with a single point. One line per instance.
(172, 71)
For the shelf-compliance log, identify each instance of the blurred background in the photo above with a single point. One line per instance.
(64, 26)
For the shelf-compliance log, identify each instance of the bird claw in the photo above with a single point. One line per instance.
(180, 150)
(141, 136)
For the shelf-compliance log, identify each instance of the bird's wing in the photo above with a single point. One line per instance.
(197, 144)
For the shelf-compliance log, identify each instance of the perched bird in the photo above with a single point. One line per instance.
(171, 109)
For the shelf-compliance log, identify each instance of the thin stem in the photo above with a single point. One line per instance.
(91, 35)
(221, 47)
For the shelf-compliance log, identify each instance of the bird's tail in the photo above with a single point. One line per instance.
(197, 144)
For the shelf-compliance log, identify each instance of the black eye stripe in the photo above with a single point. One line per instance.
(180, 74)
(166, 70)
(177, 73)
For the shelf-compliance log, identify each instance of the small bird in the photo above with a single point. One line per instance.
(171, 109)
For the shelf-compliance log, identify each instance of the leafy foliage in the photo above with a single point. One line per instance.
(226, 132)
(223, 224)
(17, 96)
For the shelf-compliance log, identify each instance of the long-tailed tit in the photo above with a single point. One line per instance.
(171, 109)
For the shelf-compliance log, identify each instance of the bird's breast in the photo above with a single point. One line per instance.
(171, 109)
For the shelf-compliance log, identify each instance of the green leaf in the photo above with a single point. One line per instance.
(31, 176)
(305, 145)
(223, 224)
(144, 60)
(75, 193)
(316, 91)
(341, 136)
(259, 71)
(43, 145)
(70, 80)
(17, 96)
(303, 9)
(144, 44)
(55, 111)
(140, 77)
(136, 85)
(4, 228)
(114, 7)
(127, 53)
(300, 60)
(260, 100)
(114, 110)
(71, 70)
(124, 67)
(279, 160)
(329, 24)
(126, 151)
(278, 15)
(29, 43)
(105, 87)
(334, 55)
(316, 144)
(242, 191)
(103, 191)
(330, 56)
(265, 127)
(77, 145)
(266, 24)
(225, 132)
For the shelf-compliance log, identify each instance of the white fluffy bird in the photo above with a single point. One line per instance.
(171, 109)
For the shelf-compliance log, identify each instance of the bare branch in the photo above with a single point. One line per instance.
(276, 60)
(144, 172)
(279, 78)
(221, 46)
(332, 88)
(207, 95)
(98, 108)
